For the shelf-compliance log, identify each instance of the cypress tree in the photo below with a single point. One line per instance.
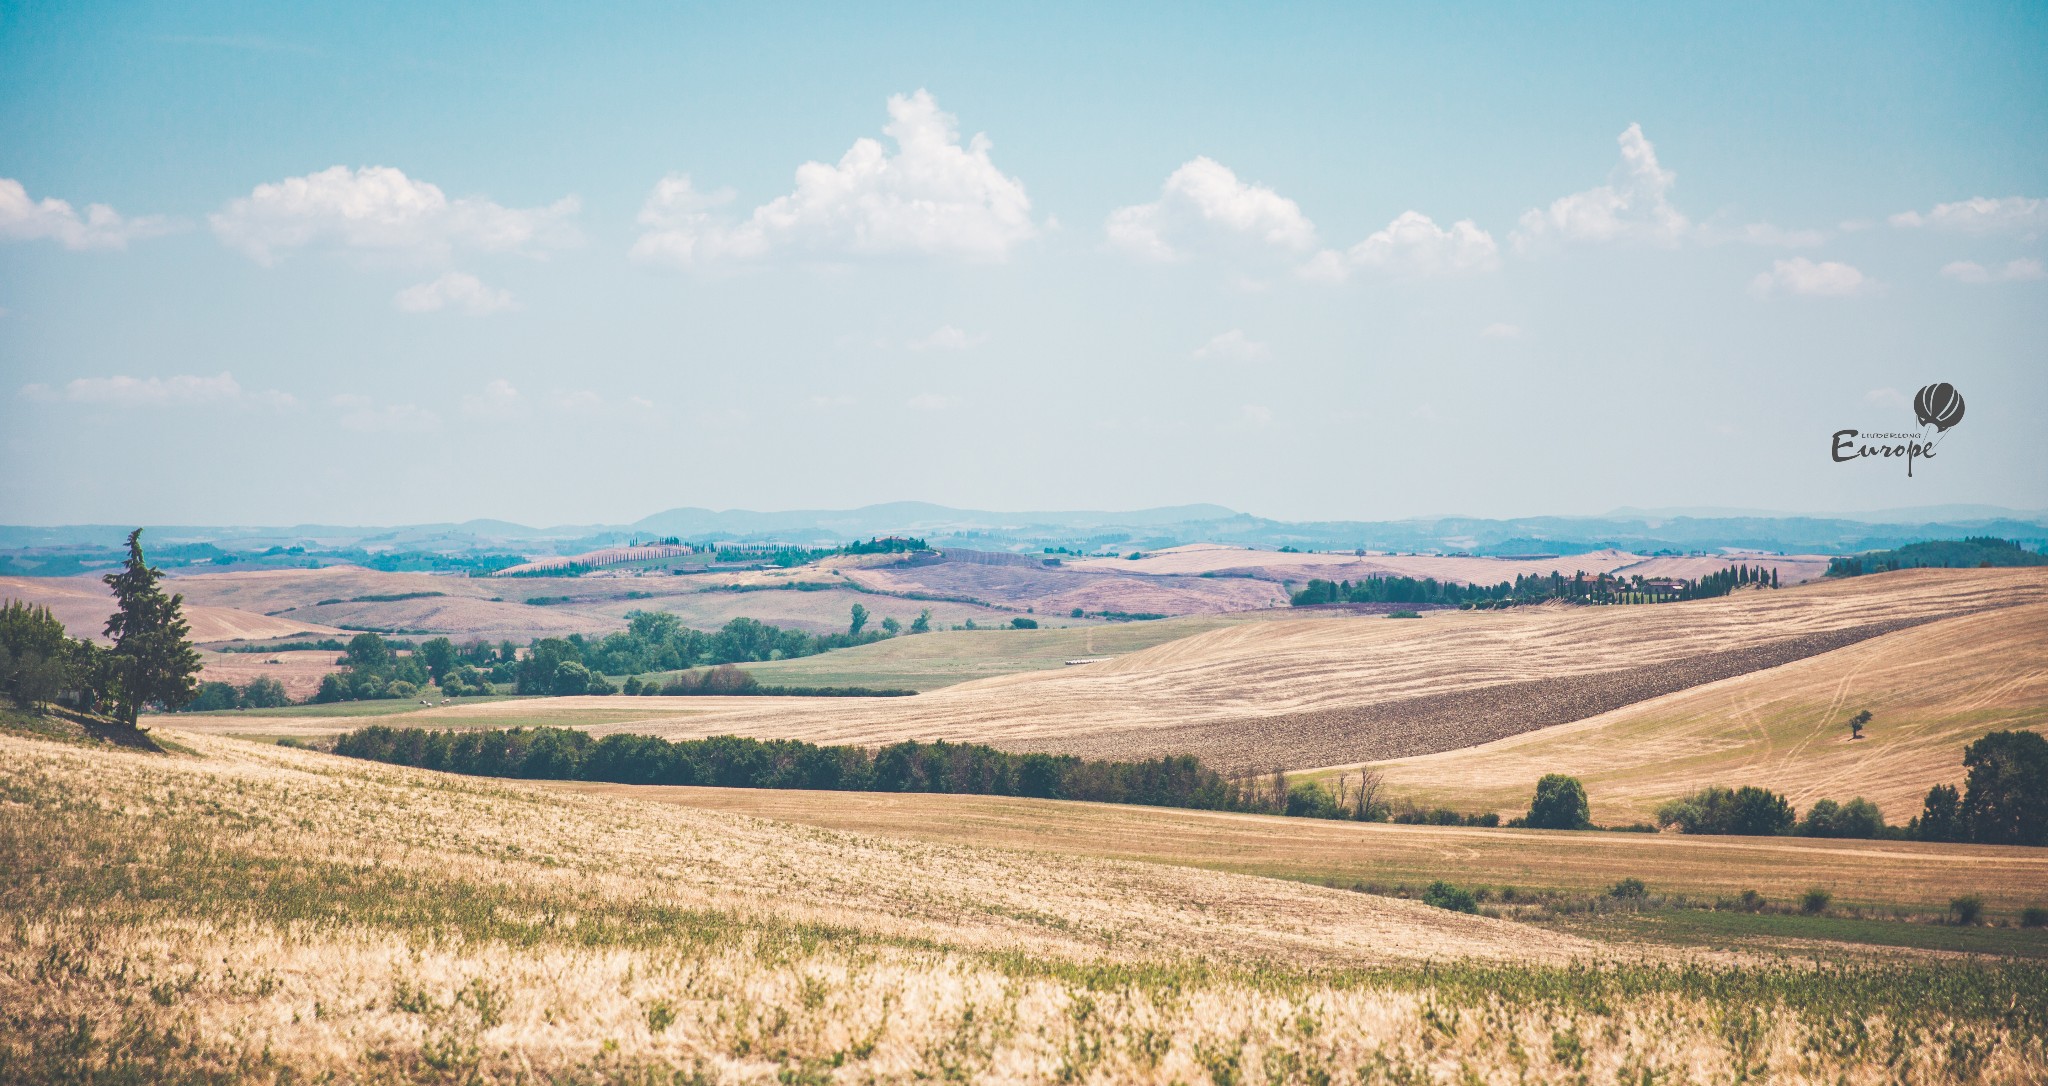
(152, 658)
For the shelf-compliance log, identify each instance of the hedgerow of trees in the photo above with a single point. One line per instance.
(1975, 552)
(1578, 588)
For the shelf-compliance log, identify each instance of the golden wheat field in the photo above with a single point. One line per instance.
(1912, 876)
(243, 913)
(1931, 689)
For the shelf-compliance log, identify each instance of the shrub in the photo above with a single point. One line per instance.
(1023, 623)
(2034, 916)
(1445, 896)
(1858, 818)
(1967, 909)
(1312, 800)
(1747, 811)
(399, 688)
(1629, 890)
(1815, 901)
(1560, 804)
(1751, 901)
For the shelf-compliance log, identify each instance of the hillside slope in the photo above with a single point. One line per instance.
(1931, 689)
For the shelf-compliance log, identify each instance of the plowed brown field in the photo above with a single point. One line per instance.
(1931, 689)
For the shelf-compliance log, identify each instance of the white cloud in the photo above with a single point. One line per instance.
(946, 338)
(1981, 215)
(454, 290)
(182, 390)
(1412, 245)
(1633, 206)
(933, 197)
(364, 414)
(1203, 204)
(380, 208)
(579, 400)
(1802, 276)
(1499, 330)
(1886, 397)
(2014, 271)
(498, 400)
(1234, 345)
(100, 227)
(931, 401)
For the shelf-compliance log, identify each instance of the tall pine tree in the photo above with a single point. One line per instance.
(152, 659)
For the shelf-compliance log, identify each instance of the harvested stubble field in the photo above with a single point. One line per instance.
(1911, 876)
(1056, 591)
(300, 671)
(82, 604)
(1932, 689)
(250, 913)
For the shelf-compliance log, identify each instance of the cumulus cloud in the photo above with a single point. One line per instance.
(181, 390)
(1412, 245)
(946, 338)
(368, 416)
(1825, 279)
(380, 208)
(2013, 271)
(1980, 215)
(98, 227)
(1234, 345)
(1203, 204)
(458, 291)
(1634, 205)
(498, 400)
(935, 197)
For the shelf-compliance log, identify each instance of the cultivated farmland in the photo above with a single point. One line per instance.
(249, 913)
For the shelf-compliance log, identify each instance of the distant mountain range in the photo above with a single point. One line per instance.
(1642, 530)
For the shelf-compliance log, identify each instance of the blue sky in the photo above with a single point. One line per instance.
(408, 263)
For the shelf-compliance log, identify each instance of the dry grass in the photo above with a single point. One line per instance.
(254, 914)
(82, 604)
(299, 671)
(1911, 876)
(1932, 690)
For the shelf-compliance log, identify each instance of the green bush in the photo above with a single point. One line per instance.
(1815, 901)
(1560, 804)
(1747, 811)
(1445, 896)
(1858, 818)
(1967, 910)
(1629, 890)
(2034, 916)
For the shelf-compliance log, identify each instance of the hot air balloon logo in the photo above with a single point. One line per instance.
(1939, 405)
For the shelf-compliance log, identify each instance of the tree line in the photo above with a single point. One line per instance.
(736, 762)
(1974, 552)
(1604, 588)
(653, 641)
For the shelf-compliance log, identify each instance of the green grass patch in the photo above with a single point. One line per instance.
(1733, 930)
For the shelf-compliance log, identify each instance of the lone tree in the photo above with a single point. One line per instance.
(860, 620)
(1857, 722)
(152, 658)
(1560, 804)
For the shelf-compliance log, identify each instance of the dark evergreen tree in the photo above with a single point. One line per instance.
(153, 658)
